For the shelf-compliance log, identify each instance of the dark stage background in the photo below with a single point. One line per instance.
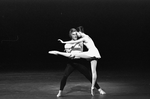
(30, 28)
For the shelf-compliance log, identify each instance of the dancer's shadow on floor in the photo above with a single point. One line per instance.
(78, 88)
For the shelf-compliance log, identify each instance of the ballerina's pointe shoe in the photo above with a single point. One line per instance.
(102, 92)
(53, 52)
(59, 94)
(92, 91)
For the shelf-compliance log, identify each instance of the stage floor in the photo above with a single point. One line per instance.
(45, 85)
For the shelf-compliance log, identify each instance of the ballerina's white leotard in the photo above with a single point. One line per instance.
(92, 50)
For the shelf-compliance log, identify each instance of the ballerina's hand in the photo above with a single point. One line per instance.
(61, 40)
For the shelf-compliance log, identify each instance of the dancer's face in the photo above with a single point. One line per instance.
(74, 35)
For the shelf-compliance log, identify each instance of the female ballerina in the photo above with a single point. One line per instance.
(92, 54)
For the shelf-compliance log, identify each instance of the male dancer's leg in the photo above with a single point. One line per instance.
(69, 69)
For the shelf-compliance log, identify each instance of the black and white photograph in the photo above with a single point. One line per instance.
(74, 49)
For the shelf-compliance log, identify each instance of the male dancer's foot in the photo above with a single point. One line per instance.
(59, 93)
(102, 92)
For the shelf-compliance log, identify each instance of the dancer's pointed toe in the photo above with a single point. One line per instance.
(53, 52)
(92, 91)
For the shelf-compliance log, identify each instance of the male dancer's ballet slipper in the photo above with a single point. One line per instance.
(102, 92)
(59, 94)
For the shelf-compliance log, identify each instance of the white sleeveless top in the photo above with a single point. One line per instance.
(74, 48)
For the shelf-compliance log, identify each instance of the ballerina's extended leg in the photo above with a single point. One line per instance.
(60, 53)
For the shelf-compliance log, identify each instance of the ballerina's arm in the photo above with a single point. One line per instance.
(77, 41)
(66, 42)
